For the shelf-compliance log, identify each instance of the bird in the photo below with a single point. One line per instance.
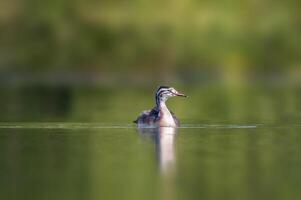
(160, 115)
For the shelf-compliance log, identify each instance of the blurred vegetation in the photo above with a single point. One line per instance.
(182, 37)
(207, 104)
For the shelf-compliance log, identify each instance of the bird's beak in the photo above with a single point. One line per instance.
(180, 94)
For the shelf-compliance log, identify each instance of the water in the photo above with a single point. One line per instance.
(80, 143)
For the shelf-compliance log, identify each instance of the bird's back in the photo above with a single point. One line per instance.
(153, 117)
(148, 117)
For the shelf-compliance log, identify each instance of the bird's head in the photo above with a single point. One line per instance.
(165, 92)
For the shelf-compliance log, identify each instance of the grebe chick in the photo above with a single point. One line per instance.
(160, 115)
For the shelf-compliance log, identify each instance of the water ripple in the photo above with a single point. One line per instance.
(60, 125)
(70, 125)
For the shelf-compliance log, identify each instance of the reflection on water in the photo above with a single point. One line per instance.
(234, 144)
(89, 161)
(164, 138)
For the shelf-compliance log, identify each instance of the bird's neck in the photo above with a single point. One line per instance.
(160, 104)
(162, 108)
(166, 118)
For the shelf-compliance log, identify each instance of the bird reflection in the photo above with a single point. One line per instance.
(163, 138)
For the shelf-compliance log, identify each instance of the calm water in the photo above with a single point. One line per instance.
(80, 143)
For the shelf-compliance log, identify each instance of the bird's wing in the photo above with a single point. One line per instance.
(147, 116)
(142, 116)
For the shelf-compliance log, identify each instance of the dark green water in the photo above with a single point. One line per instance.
(242, 143)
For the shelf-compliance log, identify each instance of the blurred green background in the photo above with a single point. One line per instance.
(139, 42)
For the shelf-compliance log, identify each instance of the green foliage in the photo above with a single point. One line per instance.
(134, 35)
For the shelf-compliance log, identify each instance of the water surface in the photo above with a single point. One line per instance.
(81, 144)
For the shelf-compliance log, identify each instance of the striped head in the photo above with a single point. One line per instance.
(165, 92)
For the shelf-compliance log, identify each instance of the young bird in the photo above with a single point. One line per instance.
(160, 115)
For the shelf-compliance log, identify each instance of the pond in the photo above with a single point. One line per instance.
(80, 143)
